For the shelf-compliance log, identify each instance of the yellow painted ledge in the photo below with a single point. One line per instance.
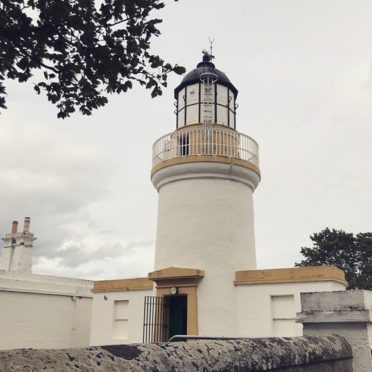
(176, 273)
(135, 284)
(290, 275)
(205, 158)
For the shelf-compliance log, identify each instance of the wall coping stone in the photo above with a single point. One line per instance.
(256, 354)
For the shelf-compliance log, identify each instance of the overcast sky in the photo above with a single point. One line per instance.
(303, 71)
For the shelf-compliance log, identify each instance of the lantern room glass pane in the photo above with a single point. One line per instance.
(181, 118)
(232, 124)
(192, 115)
(192, 94)
(181, 99)
(207, 92)
(231, 101)
(222, 95)
(222, 115)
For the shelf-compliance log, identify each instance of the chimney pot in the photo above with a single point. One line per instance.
(14, 227)
(26, 225)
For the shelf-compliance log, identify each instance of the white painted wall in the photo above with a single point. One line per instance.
(249, 311)
(6, 258)
(261, 313)
(17, 252)
(39, 311)
(205, 221)
(117, 317)
(22, 259)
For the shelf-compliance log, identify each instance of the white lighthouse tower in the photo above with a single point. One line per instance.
(205, 173)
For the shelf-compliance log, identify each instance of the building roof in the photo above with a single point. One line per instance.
(290, 275)
(133, 284)
(204, 67)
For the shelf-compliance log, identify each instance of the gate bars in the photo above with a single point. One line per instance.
(156, 319)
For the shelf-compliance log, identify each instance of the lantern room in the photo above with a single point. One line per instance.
(206, 96)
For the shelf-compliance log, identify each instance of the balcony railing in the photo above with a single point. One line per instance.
(212, 141)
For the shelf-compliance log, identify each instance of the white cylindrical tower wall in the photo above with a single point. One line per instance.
(205, 221)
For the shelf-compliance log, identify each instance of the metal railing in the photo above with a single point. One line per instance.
(156, 319)
(202, 141)
(177, 338)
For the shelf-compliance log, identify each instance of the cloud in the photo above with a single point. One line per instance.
(94, 258)
(48, 175)
(75, 253)
(39, 167)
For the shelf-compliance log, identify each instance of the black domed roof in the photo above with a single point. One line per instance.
(205, 66)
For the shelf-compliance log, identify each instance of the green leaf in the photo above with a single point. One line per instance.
(84, 51)
(179, 70)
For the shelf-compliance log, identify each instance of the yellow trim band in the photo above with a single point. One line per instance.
(135, 284)
(290, 275)
(205, 158)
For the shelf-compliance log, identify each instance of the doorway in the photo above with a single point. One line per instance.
(177, 315)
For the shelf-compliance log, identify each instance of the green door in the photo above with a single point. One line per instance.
(177, 315)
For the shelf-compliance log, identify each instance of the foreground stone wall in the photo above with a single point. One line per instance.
(298, 354)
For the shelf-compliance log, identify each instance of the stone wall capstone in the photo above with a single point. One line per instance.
(297, 354)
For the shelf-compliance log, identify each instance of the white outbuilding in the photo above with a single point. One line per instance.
(39, 311)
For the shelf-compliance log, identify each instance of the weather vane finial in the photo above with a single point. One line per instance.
(211, 46)
(208, 55)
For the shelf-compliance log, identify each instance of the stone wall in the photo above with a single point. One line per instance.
(298, 354)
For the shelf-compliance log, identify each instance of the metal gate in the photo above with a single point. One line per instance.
(156, 319)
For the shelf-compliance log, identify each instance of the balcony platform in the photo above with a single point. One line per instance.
(198, 143)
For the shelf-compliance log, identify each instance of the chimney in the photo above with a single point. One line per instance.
(14, 227)
(26, 225)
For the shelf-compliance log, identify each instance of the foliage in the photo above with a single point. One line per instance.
(85, 49)
(350, 253)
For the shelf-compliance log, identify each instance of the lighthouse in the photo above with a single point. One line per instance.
(205, 172)
(205, 282)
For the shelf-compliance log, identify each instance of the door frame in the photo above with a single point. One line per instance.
(186, 281)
